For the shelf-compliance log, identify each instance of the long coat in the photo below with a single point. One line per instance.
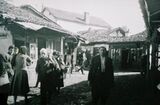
(101, 82)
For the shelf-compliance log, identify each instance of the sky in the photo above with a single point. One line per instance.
(117, 13)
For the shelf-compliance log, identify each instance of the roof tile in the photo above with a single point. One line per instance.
(104, 36)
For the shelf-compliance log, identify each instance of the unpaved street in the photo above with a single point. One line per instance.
(128, 90)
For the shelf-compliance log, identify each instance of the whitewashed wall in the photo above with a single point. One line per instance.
(6, 39)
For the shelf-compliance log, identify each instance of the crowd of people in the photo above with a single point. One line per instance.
(50, 69)
(14, 78)
(13, 74)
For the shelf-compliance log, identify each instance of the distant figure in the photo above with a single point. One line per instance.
(101, 77)
(83, 62)
(69, 60)
(20, 84)
(88, 56)
(79, 58)
(144, 65)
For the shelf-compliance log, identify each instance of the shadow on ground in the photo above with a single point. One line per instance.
(128, 90)
(77, 94)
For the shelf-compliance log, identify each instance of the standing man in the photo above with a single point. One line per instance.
(101, 77)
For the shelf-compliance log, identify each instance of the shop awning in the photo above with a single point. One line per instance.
(37, 27)
(30, 25)
(44, 29)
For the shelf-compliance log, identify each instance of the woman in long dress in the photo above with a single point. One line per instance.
(20, 85)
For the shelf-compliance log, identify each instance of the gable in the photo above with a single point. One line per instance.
(29, 8)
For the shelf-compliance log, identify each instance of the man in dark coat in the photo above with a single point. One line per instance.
(45, 69)
(101, 77)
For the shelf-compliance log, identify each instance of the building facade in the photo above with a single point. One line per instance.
(126, 51)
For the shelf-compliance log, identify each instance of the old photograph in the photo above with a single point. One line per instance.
(79, 52)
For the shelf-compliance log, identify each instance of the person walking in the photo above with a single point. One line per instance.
(20, 84)
(83, 62)
(101, 77)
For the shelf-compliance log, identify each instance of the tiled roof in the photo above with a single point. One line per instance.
(75, 17)
(140, 37)
(93, 35)
(105, 36)
(24, 15)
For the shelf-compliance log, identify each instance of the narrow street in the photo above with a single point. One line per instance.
(129, 89)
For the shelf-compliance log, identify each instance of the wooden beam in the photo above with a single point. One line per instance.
(155, 21)
(155, 13)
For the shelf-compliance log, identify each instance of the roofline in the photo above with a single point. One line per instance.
(156, 12)
(81, 22)
(14, 20)
(46, 8)
(39, 13)
(105, 42)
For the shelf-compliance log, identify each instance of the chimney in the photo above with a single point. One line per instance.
(86, 17)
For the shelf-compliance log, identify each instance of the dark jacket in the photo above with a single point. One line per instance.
(41, 67)
(4, 70)
(101, 80)
(5, 60)
(44, 67)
